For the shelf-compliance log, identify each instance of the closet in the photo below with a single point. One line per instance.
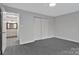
(40, 28)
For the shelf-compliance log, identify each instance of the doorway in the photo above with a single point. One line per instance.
(12, 28)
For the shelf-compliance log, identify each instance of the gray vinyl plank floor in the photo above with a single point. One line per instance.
(50, 46)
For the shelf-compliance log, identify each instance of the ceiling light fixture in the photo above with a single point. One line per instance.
(52, 4)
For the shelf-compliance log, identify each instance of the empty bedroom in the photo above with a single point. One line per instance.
(39, 28)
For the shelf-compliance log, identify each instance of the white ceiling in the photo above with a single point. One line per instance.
(43, 8)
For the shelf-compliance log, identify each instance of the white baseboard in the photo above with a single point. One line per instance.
(35, 40)
(65, 38)
(27, 42)
(45, 38)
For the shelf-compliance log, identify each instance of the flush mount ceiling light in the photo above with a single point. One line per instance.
(52, 4)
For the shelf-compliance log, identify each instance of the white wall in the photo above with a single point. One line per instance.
(67, 26)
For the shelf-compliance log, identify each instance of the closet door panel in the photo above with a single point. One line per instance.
(44, 28)
(40, 28)
(37, 29)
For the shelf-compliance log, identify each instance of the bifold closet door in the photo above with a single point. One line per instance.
(44, 28)
(37, 29)
(40, 28)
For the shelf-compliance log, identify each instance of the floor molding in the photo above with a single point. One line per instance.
(64, 38)
(36, 40)
(27, 42)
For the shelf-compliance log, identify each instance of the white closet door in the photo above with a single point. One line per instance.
(44, 28)
(37, 29)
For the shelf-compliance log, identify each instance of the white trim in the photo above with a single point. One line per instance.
(34, 40)
(26, 42)
(3, 34)
(65, 38)
(44, 38)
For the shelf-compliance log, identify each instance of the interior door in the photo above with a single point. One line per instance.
(44, 28)
(0, 32)
(40, 28)
(37, 29)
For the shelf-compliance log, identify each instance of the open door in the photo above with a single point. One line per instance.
(0, 32)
